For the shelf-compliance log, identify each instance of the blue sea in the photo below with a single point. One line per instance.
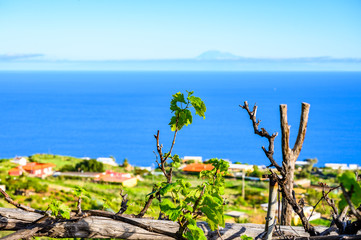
(100, 114)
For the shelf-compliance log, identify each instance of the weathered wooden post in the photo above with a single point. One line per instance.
(243, 184)
(271, 211)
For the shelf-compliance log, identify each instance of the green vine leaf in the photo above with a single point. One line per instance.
(214, 212)
(245, 237)
(169, 208)
(348, 180)
(64, 211)
(177, 98)
(179, 201)
(194, 233)
(176, 161)
(198, 105)
(57, 208)
(105, 203)
(180, 107)
(80, 192)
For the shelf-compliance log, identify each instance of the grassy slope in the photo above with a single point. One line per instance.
(59, 161)
(62, 189)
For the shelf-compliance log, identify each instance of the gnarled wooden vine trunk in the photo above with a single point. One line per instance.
(290, 155)
(104, 227)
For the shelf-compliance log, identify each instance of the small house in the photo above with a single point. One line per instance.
(19, 160)
(109, 161)
(354, 166)
(336, 166)
(126, 179)
(302, 163)
(16, 171)
(34, 169)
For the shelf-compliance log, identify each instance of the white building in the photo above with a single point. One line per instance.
(342, 166)
(302, 163)
(109, 161)
(354, 166)
(197, 159)
(20, 160)
(262, 167)
(336, 166)
(240, 167)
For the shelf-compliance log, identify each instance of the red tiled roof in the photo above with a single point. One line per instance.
(14, 172)
(36, 166)
(197, 167)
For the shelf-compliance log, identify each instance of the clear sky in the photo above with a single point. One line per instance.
(151, 29)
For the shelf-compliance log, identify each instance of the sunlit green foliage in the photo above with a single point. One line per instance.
(180, 105)
(245, 237)
(180, 202)
(81, 192)
(183, 203)
(59, 209)
(350, 183)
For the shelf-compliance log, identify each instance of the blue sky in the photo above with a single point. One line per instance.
(120, 29)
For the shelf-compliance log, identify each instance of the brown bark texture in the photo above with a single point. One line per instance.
(289, 156)
(104, 227)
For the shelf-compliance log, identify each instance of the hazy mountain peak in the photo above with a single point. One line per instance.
(217, 55)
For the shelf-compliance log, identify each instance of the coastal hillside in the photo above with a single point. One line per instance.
(247, 202)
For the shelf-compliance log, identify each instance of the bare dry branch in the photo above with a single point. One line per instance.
(302, 129)
(18, 205)
(173, 142)
(124, 204)
(298, 210)
(147, 204)
(132, 222)
(263, 133)
(285, 129)
(329, 202)
(163, 157)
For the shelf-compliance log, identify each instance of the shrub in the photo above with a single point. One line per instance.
(91, 165)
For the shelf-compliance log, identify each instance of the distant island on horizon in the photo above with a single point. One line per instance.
(212, 60)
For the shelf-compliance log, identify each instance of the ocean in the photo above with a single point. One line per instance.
(101, 114)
